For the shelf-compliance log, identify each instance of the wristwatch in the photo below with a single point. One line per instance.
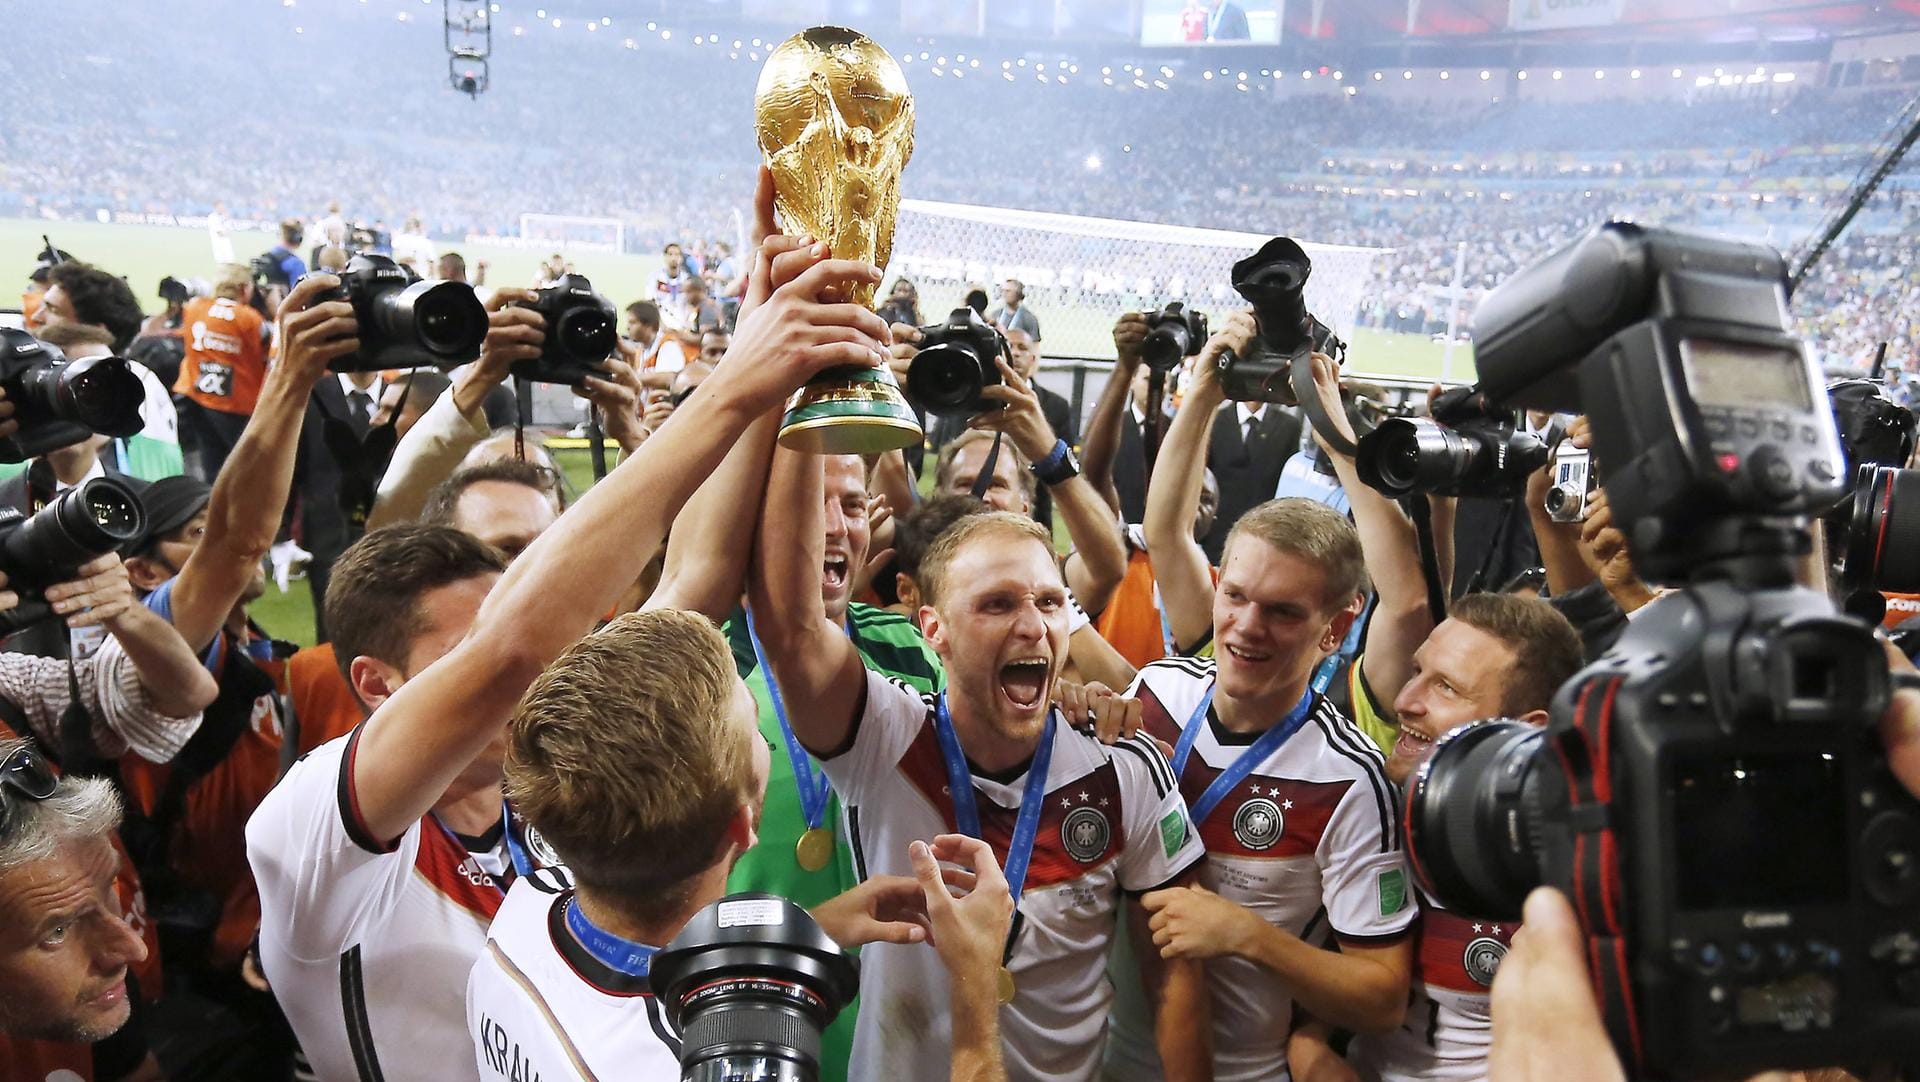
(1058, 467)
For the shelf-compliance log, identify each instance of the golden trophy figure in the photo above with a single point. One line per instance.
(835, 121)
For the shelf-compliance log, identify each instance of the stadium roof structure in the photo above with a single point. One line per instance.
(1789, 20)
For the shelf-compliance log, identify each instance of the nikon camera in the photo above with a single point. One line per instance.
(405, 322)
(1712, 793)
(59, 402)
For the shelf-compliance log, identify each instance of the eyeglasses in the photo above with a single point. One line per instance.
(24, 772)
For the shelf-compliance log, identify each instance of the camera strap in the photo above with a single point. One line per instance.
(1429, 558)
(1307, 394)
(985, 480)
(1582, 747)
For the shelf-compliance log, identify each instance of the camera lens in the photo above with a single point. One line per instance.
(947, 380)
(1404, 456)
(1165, 345)
(443, 318)
(82, 524)
(586, 335)
(1560, 499)
(750, 983)
(1883, 535)
(101, 393)
(1473, 818)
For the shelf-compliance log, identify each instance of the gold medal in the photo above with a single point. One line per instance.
(1006, 986)
(814, 850)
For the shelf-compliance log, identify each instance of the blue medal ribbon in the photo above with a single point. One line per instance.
(620, 955)
(966, 812)
(517, 855)
(1242, 765)
(815, 788)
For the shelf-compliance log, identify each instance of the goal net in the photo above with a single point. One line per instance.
(573, 234)
(1080, 274)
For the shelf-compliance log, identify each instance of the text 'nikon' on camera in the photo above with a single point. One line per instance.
(405, 322)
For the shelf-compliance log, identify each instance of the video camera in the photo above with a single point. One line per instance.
(749, 984)
(50, 546)
(957, 360)
(59, 402)
(1712, 793)
(580, 333)
(405, 322)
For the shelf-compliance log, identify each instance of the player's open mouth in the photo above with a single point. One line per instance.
(1412, 745)
(1024, 682)
(833, 573)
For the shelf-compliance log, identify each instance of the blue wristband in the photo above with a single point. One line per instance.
(1053, 460)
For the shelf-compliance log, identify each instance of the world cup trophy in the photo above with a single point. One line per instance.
(835, 122)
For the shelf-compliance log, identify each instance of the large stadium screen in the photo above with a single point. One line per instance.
(1211, 22)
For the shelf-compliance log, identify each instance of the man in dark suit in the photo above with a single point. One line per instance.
(1251, 442)
(1058, 411)
(1226, 22)
(345, 401)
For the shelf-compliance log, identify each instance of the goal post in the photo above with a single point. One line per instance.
(1080, 274)
(571, 233)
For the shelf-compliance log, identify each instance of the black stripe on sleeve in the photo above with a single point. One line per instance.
(1382, 802)
(353, 1000)
(1162, 782)
(350, 807)
(853, 833)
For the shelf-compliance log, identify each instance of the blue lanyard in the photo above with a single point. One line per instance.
(966, 812)
(1236, 771)
(516, 852)
(620, 955)
(815, 789)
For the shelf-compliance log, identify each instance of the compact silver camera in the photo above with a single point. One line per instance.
(1573, 479)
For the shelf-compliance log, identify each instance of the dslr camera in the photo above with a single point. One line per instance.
(1873, 533)
(1173, 333)
(81, 525)
(1574, 479)
(580, 333)
(1274, 281)
(1712, 793)
(405, 322)
(957, 360)
(749, 984)
(1469, 447)
(59, 402)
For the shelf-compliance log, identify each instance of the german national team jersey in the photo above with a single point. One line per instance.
(1308, 840)
(541, 1008)
(1112, 822)
(1449, 1026)
(226, 358)
(368, 945)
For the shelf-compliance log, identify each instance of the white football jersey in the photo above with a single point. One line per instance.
(368, 945)
(1309, 840)
(1449, 1026)
(540, 1008)
(1113, 822)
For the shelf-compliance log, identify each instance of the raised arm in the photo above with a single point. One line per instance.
(420, 740)
(1102, 444)
(1180, 565)
(1400, 620)
(1099, 558)
(170, 675)
(250, 494)
(810, 656)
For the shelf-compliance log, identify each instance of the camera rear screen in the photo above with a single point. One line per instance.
(1723, 374)
(1759, 831)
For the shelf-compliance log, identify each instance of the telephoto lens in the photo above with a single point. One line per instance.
(443, 318)
(750, 983)
(957, 360)
(1473, 818)
(79, 526)
(102, 393)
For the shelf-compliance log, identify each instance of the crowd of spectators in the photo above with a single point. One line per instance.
(659, 136)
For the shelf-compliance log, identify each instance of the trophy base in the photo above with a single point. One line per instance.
(849, 411)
